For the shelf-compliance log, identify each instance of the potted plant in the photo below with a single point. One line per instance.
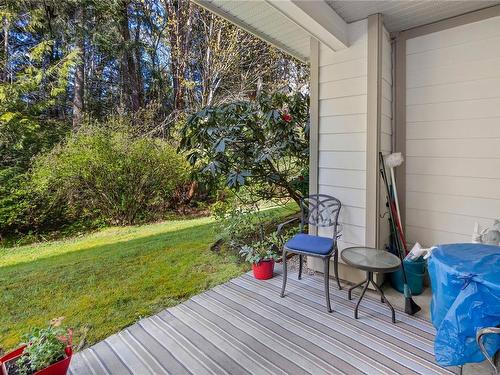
(261, 255)
(45, 351)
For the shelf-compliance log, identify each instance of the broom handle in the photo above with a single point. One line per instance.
(398, 226)
(393, 223)
(393, 180)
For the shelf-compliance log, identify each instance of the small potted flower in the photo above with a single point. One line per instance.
(45, 351)
(261, 255)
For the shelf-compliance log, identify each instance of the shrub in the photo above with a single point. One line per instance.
(110, 175)
(261, 143)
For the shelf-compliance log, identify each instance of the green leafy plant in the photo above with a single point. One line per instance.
(259, 251)
(237, 223)
(262, 144)
(44, 347)
(107, 173)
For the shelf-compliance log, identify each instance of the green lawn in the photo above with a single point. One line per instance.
(107, 280)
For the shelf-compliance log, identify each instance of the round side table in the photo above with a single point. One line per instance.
(370, 260)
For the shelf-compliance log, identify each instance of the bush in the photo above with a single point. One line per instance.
(261, 144)
(109, 175)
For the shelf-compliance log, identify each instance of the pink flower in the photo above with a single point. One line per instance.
(286, 117)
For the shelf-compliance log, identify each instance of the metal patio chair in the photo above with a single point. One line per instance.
(317, 210)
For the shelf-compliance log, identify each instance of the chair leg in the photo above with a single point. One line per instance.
(336, 267)
(284, 274)
(326, 262)
(301, 260)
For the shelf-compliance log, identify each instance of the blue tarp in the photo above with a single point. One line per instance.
(465, 282)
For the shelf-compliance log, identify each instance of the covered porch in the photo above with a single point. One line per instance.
(421, 79)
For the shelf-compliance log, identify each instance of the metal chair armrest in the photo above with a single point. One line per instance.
(479, 338)
(339, 231)
(282, 225)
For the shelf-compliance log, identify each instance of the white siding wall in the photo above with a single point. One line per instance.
(342, 131)
(453, 132)
(386, 127)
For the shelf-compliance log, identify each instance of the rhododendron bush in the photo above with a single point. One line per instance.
(262, 144)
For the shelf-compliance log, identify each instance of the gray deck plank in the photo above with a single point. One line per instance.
(346, 348)
(266, 351)
(376, 312)
(379, 348)
(158, 351)
(181, 353)
(203, 346)
(128, 356)
(283, 327)
(283, 345)
(226, 343)
(243, 327)
(344, 311)
(109, 359)
(147, 358)
(80, 365)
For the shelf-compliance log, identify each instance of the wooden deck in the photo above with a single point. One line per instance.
(244, 327)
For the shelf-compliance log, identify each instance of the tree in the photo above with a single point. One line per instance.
(128, 65)
(79, 81)
(262, 144)
(179, 22)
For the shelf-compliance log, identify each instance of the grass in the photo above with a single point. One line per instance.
(106, 281)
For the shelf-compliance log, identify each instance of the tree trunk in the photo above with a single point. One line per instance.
(129, 71)
(5, 31)
(138, 72)
(179, 32)
(79, 83)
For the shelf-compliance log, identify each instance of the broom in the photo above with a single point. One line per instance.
(410, 306)
(392, 161)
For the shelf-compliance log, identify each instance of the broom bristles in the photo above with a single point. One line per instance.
(394, 160)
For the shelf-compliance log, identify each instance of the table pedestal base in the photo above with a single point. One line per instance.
(369, 279)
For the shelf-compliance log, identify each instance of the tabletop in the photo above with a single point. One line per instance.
(370, 259)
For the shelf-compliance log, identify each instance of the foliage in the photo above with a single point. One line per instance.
(261, 143)
(109, 279)
(258, 251)
(170, 56)
(235, 222)
(108, 174)
(45, 346)
(239, 224)
(64, 63)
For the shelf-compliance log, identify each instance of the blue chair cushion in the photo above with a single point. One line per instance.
(310, 244)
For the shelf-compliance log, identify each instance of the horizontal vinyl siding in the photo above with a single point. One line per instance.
(342, 128)
(453, 132)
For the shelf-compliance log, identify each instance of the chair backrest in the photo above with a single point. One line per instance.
(320, 210)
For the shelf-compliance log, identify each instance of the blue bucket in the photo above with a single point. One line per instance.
(415, 273)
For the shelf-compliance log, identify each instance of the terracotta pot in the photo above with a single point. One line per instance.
(58, 368)
(263, 270)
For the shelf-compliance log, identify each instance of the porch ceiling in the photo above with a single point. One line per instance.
(403, 15)
(289, 24)
(264, 21)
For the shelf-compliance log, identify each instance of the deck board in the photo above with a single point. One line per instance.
(244, 327)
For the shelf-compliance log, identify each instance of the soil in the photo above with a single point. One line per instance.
(12, 367)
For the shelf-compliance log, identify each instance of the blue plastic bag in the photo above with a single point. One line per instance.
(465, 282)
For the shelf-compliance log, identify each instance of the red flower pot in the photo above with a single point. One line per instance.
(263, 270)
(58, 368)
